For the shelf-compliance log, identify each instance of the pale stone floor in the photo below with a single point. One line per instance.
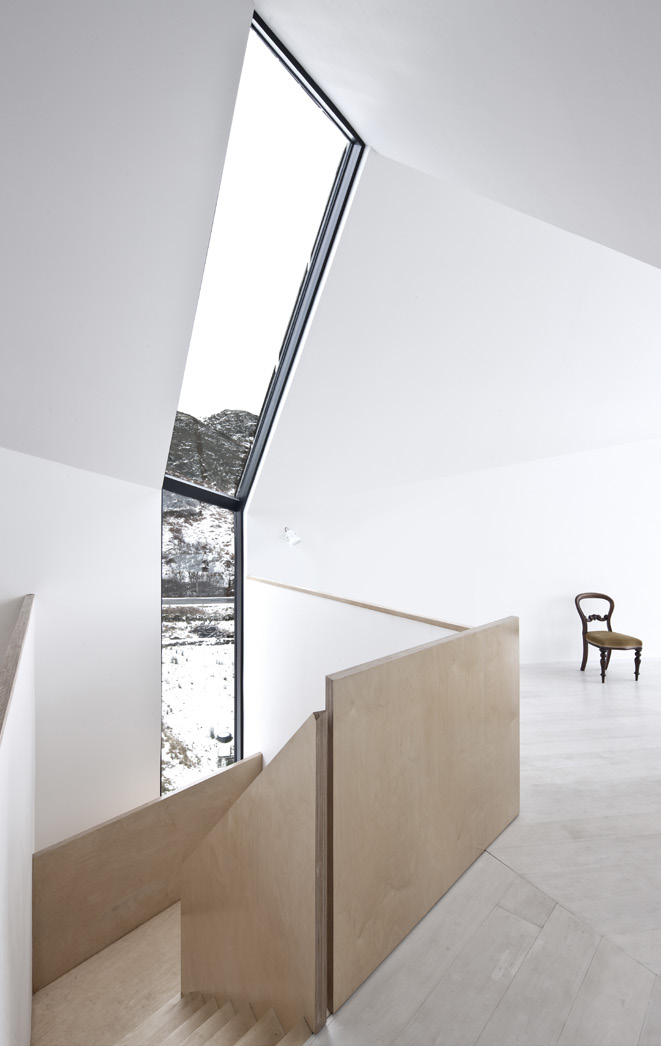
(552, 936)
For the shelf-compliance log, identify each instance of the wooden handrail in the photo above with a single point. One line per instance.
(12, 657)
(16, 823)
(358, 603)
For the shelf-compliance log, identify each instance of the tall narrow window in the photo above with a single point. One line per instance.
(197, 640)
(288, 170)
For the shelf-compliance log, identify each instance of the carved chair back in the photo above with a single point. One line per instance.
(586, 619)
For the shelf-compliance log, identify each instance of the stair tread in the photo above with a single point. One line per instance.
(266, 1032)
(219, 1019)
(156, 1027)
(297, 1035)
(234, 1029)
(124, 1041)
(180, 1034)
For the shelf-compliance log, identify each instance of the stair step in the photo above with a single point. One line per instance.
(180, 1034)
(221, 1017)
(298, 1035)
(267, 1032)
(195, 996)
(161, 1010)
(234, 1029)
(153, 1030)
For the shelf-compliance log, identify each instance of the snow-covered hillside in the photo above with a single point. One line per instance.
(198, 562)
(198, 548)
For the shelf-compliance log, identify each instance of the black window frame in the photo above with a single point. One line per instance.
(328, 229)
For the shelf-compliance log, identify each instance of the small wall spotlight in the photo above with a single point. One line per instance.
(292, 537)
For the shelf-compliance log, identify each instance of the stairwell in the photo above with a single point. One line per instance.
(284, 907)
(128, 995)
(197, 1019)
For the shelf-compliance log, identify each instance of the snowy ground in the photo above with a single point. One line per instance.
(198, 691)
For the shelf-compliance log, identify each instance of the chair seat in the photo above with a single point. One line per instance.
(613, 640)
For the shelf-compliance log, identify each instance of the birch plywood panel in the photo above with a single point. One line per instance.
(425, 774)
(253, 893)
(9, 662)
(90, 890)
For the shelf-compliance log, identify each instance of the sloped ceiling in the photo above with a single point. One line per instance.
(548, 106)
(455, 334)
(114, 121)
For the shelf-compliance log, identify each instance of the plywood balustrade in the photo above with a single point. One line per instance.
(17, 765)
(12, 656)
(253, 894)
(425, 774)
(90, 890)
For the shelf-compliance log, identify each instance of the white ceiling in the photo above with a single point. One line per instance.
(454, 334)
(548, 106)
(114, 123)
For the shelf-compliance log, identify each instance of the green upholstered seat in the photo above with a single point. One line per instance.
(613, 640)
(605, 640)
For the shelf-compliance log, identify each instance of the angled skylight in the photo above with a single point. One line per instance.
(281, 164)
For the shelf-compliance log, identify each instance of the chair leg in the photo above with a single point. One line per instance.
(636, 661)
(608, 659)
(603, 656)
(585, 654)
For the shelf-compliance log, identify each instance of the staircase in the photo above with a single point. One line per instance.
(302, 888)
(196, 1019)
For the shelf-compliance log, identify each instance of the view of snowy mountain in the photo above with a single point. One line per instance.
(198, 548)
(212, 451)
(198, 539)
(198, 565)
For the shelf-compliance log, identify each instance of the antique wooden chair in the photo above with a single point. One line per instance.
(608, 640)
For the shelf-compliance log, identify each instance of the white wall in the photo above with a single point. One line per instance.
(89, 547)
(16, 846)
(113, 136)
(473, 427)
(293, 641)
(522, 539)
